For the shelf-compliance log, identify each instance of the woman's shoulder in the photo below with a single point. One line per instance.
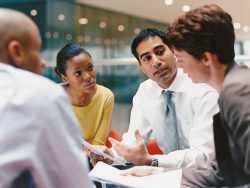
(104, 94)
(104, 90)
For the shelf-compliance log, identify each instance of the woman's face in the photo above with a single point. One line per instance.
(80, 73)
(195, 68)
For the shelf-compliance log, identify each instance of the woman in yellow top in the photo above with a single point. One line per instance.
(93, 104)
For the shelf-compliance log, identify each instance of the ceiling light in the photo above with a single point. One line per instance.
(79, 38)
(83, 21)
(98, 40)
(87, 38)
(246, 28)
(56, 35)
(186, 8)
(68, 37)
(33, 12)
(168, 2)
(137, 30)
(107, 42)
(48, 35)
(237, 25)
(61, 17)
(102, 25)
(120, 28)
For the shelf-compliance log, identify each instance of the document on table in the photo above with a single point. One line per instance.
(96, 151)
(106, 173)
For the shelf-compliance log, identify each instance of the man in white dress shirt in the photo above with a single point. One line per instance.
(39, 132)
(195, 106)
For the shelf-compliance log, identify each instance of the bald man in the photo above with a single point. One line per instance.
(39, 132)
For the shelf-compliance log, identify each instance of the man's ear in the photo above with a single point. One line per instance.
(207, 58)
(16, 53)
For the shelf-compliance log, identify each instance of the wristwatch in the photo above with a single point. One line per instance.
(154, 161)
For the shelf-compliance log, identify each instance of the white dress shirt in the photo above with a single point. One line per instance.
(39, 132)
(195, 106)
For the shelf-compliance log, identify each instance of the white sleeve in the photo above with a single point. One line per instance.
(41, 134)
(200, 138)
(139, 121)
(59, 154)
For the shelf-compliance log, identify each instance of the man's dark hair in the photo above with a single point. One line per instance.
(205, 29)
(146, 33)
(69, 51)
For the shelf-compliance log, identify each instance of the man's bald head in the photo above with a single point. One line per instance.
(19, 35)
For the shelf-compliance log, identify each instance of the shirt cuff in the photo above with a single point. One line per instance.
(166, 161)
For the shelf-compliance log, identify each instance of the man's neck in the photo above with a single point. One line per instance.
(168, 83)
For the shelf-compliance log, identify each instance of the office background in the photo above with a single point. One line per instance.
(107, 35)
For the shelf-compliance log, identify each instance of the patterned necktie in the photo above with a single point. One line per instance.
(172, 141)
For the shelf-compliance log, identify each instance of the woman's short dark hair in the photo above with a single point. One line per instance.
(69, 51)
(205, 29)
(146, 33)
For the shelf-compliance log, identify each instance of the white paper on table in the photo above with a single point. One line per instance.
(103, 172)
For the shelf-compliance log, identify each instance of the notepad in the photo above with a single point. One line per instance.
(109, 174)
(98, 152)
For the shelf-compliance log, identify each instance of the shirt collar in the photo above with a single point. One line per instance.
(179, 84)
